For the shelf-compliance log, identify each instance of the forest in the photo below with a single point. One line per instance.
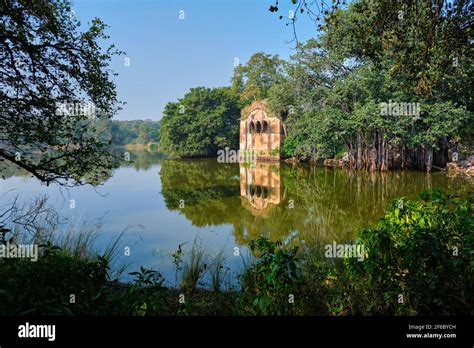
(135, 132)
(396, 95)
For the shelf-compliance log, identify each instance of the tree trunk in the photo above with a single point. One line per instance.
(429, 160)
(359, 152)
(383, 150)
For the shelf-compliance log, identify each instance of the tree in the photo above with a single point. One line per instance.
(370, 53)
(426, 44)
(56, 95)
(202, 122)
(121, 134)
(254, 79)
(135, 132)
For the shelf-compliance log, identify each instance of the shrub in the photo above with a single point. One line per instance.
(420, 257)
(273, 278)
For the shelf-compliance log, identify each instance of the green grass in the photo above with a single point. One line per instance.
(194, 265)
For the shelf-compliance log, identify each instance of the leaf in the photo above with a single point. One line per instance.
(141, 310)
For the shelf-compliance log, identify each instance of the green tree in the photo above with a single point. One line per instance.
(121, 134)
(51, 72)
(254, 79)
(136, 131)
(369, 53)
(202, 122)
(143, 135)
(425, 45)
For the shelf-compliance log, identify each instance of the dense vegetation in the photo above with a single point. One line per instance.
(254, 80)
(381, 52)
(202, 122)
(135, 132)
(331, 93)
(56, 91)
(418, 262)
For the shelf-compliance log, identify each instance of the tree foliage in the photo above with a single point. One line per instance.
(202, 122)
(135, 132)
(253, 80)
(371, 53)
(50, 72)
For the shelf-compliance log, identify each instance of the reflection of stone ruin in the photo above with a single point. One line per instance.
(261, 131)
(260, 186)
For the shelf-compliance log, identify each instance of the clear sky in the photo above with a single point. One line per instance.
(169, 55)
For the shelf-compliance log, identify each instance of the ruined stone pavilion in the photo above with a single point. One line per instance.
(261, 132)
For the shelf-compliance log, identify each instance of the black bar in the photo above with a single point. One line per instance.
(241, 330)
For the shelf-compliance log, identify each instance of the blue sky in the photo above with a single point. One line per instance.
(169, 55)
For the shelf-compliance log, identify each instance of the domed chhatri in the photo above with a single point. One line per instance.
(261, 131)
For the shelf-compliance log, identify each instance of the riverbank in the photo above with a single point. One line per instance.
(454, 168)
(464, 165)
(412, 263)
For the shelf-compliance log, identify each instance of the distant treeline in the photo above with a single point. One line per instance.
(135, 132)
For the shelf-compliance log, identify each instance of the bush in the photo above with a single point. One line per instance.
(273, 278)
(418, 261)
(49, 285)
(419, 257)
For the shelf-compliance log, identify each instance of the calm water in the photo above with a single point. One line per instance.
(163, 203)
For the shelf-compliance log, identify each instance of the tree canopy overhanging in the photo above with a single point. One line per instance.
(56, 92)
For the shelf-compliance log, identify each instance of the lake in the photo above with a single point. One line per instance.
(163, 203)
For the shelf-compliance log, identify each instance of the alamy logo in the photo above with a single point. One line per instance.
(236, 156)
(400, 109)
(335, 250)
(16, 251)
(37, 331)
(76, 109)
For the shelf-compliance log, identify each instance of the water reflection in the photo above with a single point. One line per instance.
(140, 160)
(278, 200)
(175, 201)
(283, 201)
(260, 187)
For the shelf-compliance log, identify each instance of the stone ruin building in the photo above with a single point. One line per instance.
(261, 132)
